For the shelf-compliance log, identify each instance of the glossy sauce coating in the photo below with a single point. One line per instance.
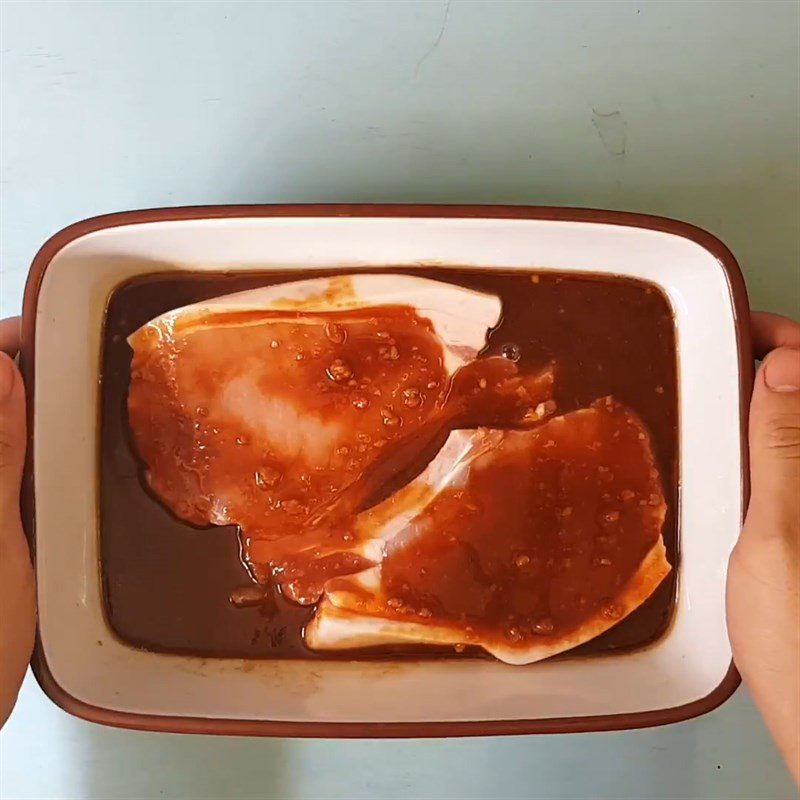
(260, 419)
(608, 337)
(545, 533)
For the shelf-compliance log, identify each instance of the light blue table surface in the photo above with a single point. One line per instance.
(683, 109)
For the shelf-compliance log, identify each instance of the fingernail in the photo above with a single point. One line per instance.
(782, 370)
(8, 374)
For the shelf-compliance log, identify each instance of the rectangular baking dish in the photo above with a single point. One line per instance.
(84, 668)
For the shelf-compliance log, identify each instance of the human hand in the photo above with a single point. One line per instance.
(17, 587)
(764, 575)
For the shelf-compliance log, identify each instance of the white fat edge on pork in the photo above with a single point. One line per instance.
(460, 317)
(334, 628)
(377, 530)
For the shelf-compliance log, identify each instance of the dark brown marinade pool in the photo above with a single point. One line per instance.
(167, 583)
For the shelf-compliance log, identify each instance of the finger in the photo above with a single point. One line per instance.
(771, 331)
(775, 446)
(9, 335)
(12, 434)
(17, 589)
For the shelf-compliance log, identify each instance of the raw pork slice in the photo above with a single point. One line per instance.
(523, 543)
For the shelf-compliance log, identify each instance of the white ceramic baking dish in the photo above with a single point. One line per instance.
(88, 671)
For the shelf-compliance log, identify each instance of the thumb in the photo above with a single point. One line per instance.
(12, 442)
(775, 444)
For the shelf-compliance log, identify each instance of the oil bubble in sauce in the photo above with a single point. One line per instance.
(511, 351)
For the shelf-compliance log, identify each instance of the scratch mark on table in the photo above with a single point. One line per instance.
(436, 42)
(612, 130)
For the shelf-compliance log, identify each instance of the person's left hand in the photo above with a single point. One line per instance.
(17, 586)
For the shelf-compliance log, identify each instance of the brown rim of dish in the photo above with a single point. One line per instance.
(165, 723)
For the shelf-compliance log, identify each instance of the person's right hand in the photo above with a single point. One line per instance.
(764, 573)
